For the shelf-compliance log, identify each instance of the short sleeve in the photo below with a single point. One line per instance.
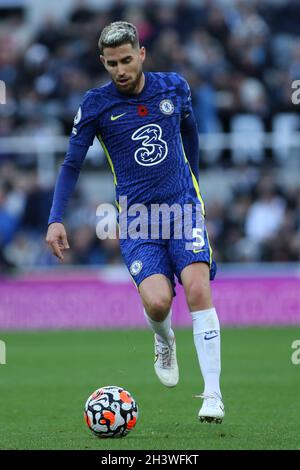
(85, 122)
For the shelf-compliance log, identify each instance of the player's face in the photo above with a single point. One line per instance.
(124, 65)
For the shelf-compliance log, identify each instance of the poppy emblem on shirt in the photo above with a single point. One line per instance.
(142, 110)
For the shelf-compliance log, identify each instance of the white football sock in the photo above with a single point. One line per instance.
(206, 330)
(162, 328)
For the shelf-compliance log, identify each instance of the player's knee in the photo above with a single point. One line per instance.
(198, 296)
(158, 307)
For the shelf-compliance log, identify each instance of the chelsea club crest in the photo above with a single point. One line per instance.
(166, 107)
(136, 267)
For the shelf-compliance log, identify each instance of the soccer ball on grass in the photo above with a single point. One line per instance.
(111, 412)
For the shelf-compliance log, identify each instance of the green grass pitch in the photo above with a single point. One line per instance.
(49, 375)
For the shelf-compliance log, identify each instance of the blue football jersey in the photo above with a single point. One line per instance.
(140, 135)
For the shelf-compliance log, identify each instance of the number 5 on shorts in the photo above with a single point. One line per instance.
(199, 239)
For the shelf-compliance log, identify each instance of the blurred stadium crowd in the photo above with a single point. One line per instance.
(240, 58)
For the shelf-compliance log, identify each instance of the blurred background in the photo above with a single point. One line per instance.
(240, 58)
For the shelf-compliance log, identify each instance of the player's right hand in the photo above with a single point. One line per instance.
(57, 239)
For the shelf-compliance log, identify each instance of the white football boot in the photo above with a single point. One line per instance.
(165, 363)
(212, 410)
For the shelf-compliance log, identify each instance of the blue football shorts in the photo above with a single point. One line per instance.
(167, 245)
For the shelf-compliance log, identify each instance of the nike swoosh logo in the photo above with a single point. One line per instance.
(113, 118)
(198, 251)
(211, 334)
